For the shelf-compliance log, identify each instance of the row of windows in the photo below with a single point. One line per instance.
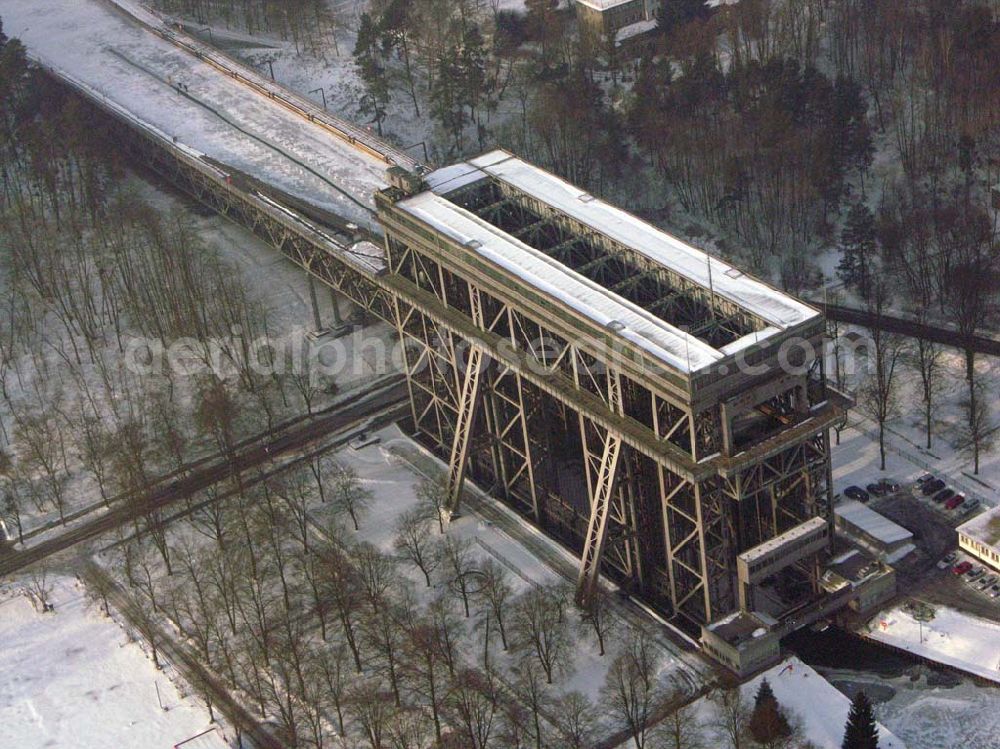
(784, 551)
(983, 550)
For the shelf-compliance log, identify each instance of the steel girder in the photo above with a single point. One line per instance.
(468, 407)
(700, 534)
(601, 482)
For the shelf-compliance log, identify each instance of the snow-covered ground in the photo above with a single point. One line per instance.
(810, 702)
(283, 289)
(856, 460)
(280, 286)
(391, 470)
(951, 637)
(142, 73)
(71, 679)
(393, 482)
(935, 717)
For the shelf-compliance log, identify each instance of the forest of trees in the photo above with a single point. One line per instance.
(88, 267)
(779, 130)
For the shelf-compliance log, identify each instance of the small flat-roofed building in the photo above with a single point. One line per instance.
(873, 582)
(629, 21)
(743, 641)
(980, 537)
(875, 532)
(775, 554)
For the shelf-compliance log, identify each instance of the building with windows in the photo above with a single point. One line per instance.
(980, 537)
(630, 22)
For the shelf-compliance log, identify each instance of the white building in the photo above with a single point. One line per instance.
(980, 537)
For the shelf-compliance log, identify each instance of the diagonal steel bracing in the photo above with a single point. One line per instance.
(468, 407)
(602, 491)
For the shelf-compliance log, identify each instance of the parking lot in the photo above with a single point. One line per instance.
(933, 529)
(944, 587)
(933, 535)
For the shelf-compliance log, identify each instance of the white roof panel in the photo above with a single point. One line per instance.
(670, 345)
(875, 525)
(984, 528)
(602, 4)
(777, 309)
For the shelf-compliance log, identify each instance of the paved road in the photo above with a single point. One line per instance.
(385, 403)
(187, 662)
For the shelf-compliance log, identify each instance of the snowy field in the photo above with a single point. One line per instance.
(71, 679)
(391, 470)
(951, 637)
(810, 702)
(283, 290)
(141, 72)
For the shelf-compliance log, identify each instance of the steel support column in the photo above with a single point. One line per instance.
(602, 483)
(468, 407)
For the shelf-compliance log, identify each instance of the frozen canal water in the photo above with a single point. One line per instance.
(926, 707)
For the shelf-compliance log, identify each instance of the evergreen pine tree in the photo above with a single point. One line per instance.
(368, 58)
(859, 246)
(860, 732)
(673, 14)
(768, 724)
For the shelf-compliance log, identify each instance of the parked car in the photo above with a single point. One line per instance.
(944, 495)
(947, 560)
(970, 505)
(932, 486)
(856, 492)
(882, 487)
(974, 574)
(994, 591)
(955, 501)
(987, 582)
(925, 478)
(962, 567)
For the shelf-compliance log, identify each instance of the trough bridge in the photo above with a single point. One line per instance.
(589, 370)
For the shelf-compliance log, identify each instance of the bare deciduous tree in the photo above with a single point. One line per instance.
(349, 496)
(539, 628)
(576, 720)
(732, 716)
(879, 392)
(630, 689)
(978, 433)
(414, 542)
(494, 594)
(681, 729)
(433, 497)
(39, 589)
(457, 555)
(599, 617)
